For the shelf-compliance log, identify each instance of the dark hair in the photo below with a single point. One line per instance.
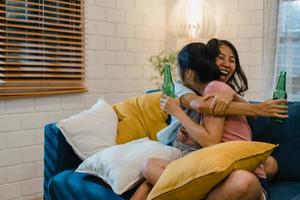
(238, 81)
(195, 56)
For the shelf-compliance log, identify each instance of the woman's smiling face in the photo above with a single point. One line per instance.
(226, 63)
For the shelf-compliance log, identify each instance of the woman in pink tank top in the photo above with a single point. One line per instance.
(235, 127)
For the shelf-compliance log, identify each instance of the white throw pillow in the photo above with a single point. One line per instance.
(121, 165)
(92, 130)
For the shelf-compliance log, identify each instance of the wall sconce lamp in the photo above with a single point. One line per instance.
(192, 19)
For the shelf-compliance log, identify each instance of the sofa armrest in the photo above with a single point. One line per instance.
(58, 155)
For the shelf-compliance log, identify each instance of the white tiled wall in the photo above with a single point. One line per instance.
(241, 22)
(121, 35)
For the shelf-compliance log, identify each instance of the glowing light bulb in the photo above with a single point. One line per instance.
(192, 18)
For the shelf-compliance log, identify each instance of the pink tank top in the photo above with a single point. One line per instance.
(235, 127)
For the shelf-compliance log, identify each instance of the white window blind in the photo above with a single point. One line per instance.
(41, 47)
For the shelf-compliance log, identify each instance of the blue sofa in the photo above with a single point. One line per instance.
(62, 183)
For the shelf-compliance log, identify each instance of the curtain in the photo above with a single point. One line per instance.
(282, 46)
(270, 22)
(288, 56)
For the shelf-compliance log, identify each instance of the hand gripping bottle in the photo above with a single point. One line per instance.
(168, 87)
(280, 92)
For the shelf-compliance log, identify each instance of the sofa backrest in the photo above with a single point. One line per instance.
(287, 135)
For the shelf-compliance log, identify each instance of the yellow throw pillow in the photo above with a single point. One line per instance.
(139, 117)
(194, 175)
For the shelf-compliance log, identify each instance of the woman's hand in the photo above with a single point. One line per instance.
(171, 106)
(185, 138)
(272, 108)
(220, 102)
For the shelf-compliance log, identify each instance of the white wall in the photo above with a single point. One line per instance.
(241, 22)
(121, 35)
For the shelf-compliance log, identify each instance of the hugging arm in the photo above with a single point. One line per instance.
(268, 108)
(215, 124)
(198, 132)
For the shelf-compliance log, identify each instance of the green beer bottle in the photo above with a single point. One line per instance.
(280, 92)
(168, 87)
